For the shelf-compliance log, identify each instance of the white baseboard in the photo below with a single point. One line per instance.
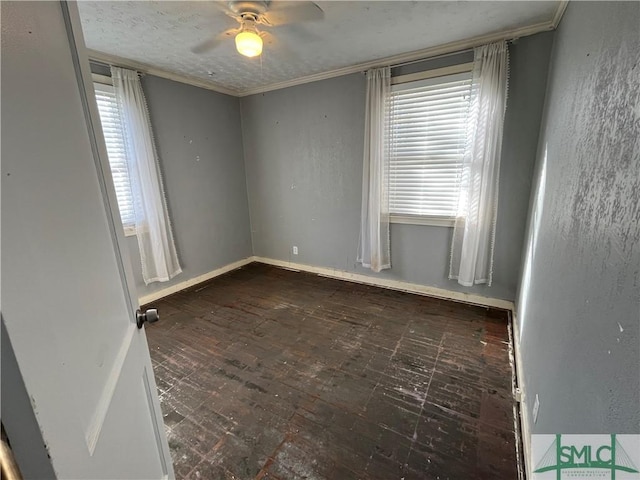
(152, 297)
(525, 428)
(392, 284)
(338, 274)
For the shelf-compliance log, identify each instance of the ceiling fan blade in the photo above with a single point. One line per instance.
(283, 13)
(213, 42)
(302, 33)
(275, 46)
(224, 8)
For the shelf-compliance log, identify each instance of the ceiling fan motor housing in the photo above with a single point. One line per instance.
(248, 8)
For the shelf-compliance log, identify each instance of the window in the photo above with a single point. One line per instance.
(112, 129)
(427, 135)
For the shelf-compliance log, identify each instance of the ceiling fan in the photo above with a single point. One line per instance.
(250, 14)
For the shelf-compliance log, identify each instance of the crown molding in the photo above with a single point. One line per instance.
(415, 55)
(562, 7)
(109, 59)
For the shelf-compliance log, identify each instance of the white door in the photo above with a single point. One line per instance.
(66, 299)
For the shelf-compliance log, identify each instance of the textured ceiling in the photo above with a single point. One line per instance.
(161, 34)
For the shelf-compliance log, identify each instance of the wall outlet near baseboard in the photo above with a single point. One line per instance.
(536, 409)
(295, 250)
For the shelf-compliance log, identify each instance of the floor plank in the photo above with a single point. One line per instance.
(271, 374)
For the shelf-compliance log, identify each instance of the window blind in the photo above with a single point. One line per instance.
(114, 137)
(427, 134)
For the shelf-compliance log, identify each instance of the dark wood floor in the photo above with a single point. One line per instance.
(266, 373)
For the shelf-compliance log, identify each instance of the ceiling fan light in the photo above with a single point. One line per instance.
(249, 44)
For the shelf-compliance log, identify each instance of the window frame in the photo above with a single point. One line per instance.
(428, 220)
(129, 229)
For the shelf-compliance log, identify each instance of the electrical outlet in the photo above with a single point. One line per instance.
(295, 250)
(536, 409)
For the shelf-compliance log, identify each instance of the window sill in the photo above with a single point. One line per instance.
(422, 220)
(129, 231)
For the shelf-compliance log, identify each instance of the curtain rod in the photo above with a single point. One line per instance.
(443, 55)
(102, 63)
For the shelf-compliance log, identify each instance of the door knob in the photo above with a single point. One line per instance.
(151, 316)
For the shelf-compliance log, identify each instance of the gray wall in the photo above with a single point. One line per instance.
(303, 152)
(199, 140)
(579, 302)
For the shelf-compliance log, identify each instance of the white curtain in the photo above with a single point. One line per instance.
(152, 225)
(374, 249)
(474, 231)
